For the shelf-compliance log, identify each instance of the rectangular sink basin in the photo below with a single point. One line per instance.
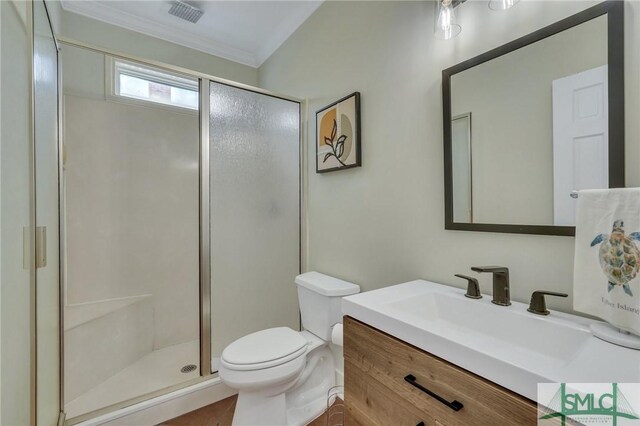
(478, 323)
(507, 345)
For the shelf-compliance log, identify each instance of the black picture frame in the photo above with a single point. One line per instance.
(357, 139)
(614, 9)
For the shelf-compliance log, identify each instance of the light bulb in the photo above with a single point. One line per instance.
(445, 25)
(502, 4)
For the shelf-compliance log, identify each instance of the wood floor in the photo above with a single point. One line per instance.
(221, 414)
(217, 414)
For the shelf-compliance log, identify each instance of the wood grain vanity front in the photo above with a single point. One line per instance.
(377, 393)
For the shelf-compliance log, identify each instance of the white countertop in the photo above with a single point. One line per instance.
(506, 345)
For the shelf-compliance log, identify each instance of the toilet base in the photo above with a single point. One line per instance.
(308, 401)
(256, 408)
(298, 404)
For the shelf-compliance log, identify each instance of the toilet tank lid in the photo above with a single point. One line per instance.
(326, 285)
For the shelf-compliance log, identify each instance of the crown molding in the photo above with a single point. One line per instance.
(113, 16)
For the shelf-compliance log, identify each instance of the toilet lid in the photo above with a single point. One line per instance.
(265, 347)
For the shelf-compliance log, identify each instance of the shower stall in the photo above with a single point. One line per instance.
(180, 224)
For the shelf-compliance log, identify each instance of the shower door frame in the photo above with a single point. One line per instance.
(204, 79)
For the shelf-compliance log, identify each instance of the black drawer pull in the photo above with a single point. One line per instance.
(420, 424)
(454, 405)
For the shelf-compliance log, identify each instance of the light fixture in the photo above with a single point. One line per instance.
(445, 25)
(502, 4)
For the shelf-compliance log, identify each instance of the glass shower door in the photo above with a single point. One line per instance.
(131, 172)
(45, 73)
(16, 225)
(254, 151)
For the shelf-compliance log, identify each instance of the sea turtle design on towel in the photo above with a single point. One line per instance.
(619, 256)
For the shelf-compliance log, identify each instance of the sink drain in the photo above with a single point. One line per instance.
(188, 368)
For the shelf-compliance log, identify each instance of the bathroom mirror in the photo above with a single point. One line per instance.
(532, 121)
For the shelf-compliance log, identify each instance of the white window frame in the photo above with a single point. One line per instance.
(114, 67)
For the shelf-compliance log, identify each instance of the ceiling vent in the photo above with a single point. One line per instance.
(185, 11)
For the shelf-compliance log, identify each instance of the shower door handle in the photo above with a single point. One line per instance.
(41, 246)
(40, 251)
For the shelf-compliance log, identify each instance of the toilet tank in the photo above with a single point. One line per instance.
(320, 297)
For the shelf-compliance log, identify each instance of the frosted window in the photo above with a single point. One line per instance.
(184, 97)
(134, 87)
(147, 84)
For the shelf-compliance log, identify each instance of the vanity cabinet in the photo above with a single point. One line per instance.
(387, 382)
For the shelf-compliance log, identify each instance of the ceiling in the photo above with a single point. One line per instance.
(247, 32)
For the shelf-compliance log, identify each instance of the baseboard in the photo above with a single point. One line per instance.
(165, 407)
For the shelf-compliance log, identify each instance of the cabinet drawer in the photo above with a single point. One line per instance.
(369, 402)
(388, 361)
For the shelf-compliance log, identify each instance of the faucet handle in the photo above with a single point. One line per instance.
(493, 269)
(538, 304)
(473, 288)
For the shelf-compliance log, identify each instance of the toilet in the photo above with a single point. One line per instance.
(282, 375)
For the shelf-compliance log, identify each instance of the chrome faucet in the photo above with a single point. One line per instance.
(501, 294)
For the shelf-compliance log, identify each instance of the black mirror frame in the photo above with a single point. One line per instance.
(614, 9)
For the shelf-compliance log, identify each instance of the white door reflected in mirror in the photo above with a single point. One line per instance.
(580, 139)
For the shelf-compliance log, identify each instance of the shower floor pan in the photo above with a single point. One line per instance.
(156, 370)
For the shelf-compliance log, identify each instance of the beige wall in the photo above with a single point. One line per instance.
(510, 99)
(383, 223)
(101, 34)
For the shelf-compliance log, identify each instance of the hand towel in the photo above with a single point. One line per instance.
(606, 282)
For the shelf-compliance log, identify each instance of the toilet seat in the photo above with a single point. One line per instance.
(264, 349)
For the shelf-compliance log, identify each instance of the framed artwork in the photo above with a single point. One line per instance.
(338, 135)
